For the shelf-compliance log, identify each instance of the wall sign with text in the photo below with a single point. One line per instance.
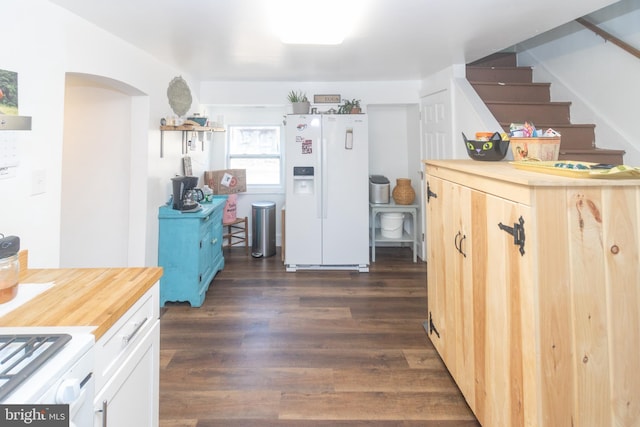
(326, 99)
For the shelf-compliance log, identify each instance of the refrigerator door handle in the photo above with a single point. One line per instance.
(323, 196)
(348, 139)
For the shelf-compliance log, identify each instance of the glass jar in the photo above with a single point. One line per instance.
(9, 274)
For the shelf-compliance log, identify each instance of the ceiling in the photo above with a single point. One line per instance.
(392, 40)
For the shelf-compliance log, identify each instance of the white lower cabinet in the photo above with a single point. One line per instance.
(127, 367)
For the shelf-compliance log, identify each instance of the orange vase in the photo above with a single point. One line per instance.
(403, 193)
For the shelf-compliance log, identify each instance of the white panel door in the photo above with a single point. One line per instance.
(436, 131)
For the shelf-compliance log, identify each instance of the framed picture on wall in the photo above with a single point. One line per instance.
(8, 92)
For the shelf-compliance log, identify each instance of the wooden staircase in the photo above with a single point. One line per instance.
(512, 97)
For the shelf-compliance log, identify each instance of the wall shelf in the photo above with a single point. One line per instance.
(185, 129)
(9, 142)
(15, 122)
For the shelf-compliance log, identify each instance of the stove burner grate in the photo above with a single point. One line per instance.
(22, 355)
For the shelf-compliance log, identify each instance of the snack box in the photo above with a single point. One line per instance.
(226, 181)
(542, 148)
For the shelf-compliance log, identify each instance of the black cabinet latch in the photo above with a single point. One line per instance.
(432, 328)
(517, 231)
(430, 193)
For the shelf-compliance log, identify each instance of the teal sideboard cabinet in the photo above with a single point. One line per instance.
(190, 251)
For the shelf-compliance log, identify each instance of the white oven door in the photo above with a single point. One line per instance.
(65, 378)
(75, 392)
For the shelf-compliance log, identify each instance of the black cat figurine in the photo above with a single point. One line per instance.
(492, 150)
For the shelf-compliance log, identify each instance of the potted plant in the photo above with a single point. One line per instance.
(355, 106)
(350, 107)
(345, 108)
(299, 102)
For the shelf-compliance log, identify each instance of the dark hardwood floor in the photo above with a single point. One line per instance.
(330, 348)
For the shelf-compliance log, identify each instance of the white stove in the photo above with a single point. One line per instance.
(47, 365)
(26, 292)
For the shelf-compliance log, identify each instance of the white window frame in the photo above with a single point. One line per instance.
(259, 188)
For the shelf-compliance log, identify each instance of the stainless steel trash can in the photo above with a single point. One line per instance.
(263, 229)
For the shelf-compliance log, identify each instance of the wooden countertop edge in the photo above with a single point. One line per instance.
(95, 297)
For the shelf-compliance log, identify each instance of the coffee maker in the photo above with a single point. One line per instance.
(184, 193)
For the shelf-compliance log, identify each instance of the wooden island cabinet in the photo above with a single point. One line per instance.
(534, 292)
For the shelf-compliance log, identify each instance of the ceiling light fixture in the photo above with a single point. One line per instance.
(320, 22)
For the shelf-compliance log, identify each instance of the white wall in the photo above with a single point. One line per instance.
(50, 42)
(598, 77)
(94, 230)
(388, 146)
(47, 43)
(275, 93)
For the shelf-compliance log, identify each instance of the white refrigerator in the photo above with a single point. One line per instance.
(327, 196)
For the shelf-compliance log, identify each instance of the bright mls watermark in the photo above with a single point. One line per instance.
(34, 415)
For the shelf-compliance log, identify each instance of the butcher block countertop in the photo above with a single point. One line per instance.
(516, 183)
(82, 296)
(507, 171)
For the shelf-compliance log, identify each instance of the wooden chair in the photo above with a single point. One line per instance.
(236, 233)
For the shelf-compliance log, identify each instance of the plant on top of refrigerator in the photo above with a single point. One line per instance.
(350, 106)
(297, 96)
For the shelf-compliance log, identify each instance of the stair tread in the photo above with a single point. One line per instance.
(547, 125)
(510, 83)
(561, 103)
(500, 74)
(498, 67)
(498, 58)
(591, 150)
(597, 155)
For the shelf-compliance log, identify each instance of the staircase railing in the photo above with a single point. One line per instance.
(610, 37)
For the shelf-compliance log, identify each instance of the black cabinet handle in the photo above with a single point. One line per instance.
(458, 243)
(464, 236)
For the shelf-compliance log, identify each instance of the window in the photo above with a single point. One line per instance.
(258, 150)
